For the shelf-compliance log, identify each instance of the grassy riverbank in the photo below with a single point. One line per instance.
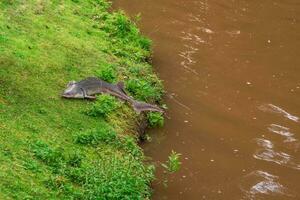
(52, 148)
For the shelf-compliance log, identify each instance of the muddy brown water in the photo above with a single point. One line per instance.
(232, 74)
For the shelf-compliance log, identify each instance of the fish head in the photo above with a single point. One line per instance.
(73, 91)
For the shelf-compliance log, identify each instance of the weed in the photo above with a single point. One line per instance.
(32, 165)
(173, 164)
(75, 159)
(107, 72)
(155, 119)
(103, 134)
(144, 89)
(139, 70)
(121, 179)
(60, 183)
(77, 174)
(104, 105)
(128, 144)
(50, 156)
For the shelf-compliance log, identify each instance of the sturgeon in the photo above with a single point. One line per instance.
(91, 86)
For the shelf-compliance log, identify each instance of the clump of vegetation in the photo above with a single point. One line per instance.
(107, 73)
(110, 176)
(144, 90)
(104, 105)
(155, 119)
(51, 157)
(173, 164)
(129, 145)
(75, 159)
(103, 134)
(126, 37)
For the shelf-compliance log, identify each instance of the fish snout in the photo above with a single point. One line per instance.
(70, 95)
(66, 95)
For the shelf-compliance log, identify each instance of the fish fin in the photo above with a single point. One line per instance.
(121, 85)
(91, 97)
(86, 96)
(141, 106)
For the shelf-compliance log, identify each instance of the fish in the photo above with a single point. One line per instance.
(92, 86)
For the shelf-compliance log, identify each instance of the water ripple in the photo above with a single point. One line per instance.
(264, 143)
(275, 109)
(283, 131)
(259, 183)
(267, 153)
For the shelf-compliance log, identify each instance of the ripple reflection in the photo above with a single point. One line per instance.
(258, 183)
(275, 109)
(283, 131)
(267, 153)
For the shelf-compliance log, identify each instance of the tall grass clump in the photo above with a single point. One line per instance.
(155, 119)
(104, 105)
(50, 156)
(110, 176)
(107, 72)
(104, 134)
(144, 90)
(173, 163)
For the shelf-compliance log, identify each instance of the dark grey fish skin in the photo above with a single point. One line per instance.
(90, 87)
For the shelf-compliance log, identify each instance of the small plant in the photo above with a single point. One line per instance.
(104, 105)
(61, 184)
(155, 119)
(75, 159)
(77, 175)
(118, 25)
(56, 182)
(50, 156)
(128, 144)
(94, 136)
(145, 90)
(107, 72)
(139, 70)
(31, 165)
(173, 164)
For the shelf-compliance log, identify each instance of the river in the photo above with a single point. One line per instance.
(232, 74)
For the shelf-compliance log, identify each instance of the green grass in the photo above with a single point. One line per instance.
(53, 148)
(104, 106)
(173, 163)
(155, 119)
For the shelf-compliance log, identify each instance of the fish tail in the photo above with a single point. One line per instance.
(141, 106)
